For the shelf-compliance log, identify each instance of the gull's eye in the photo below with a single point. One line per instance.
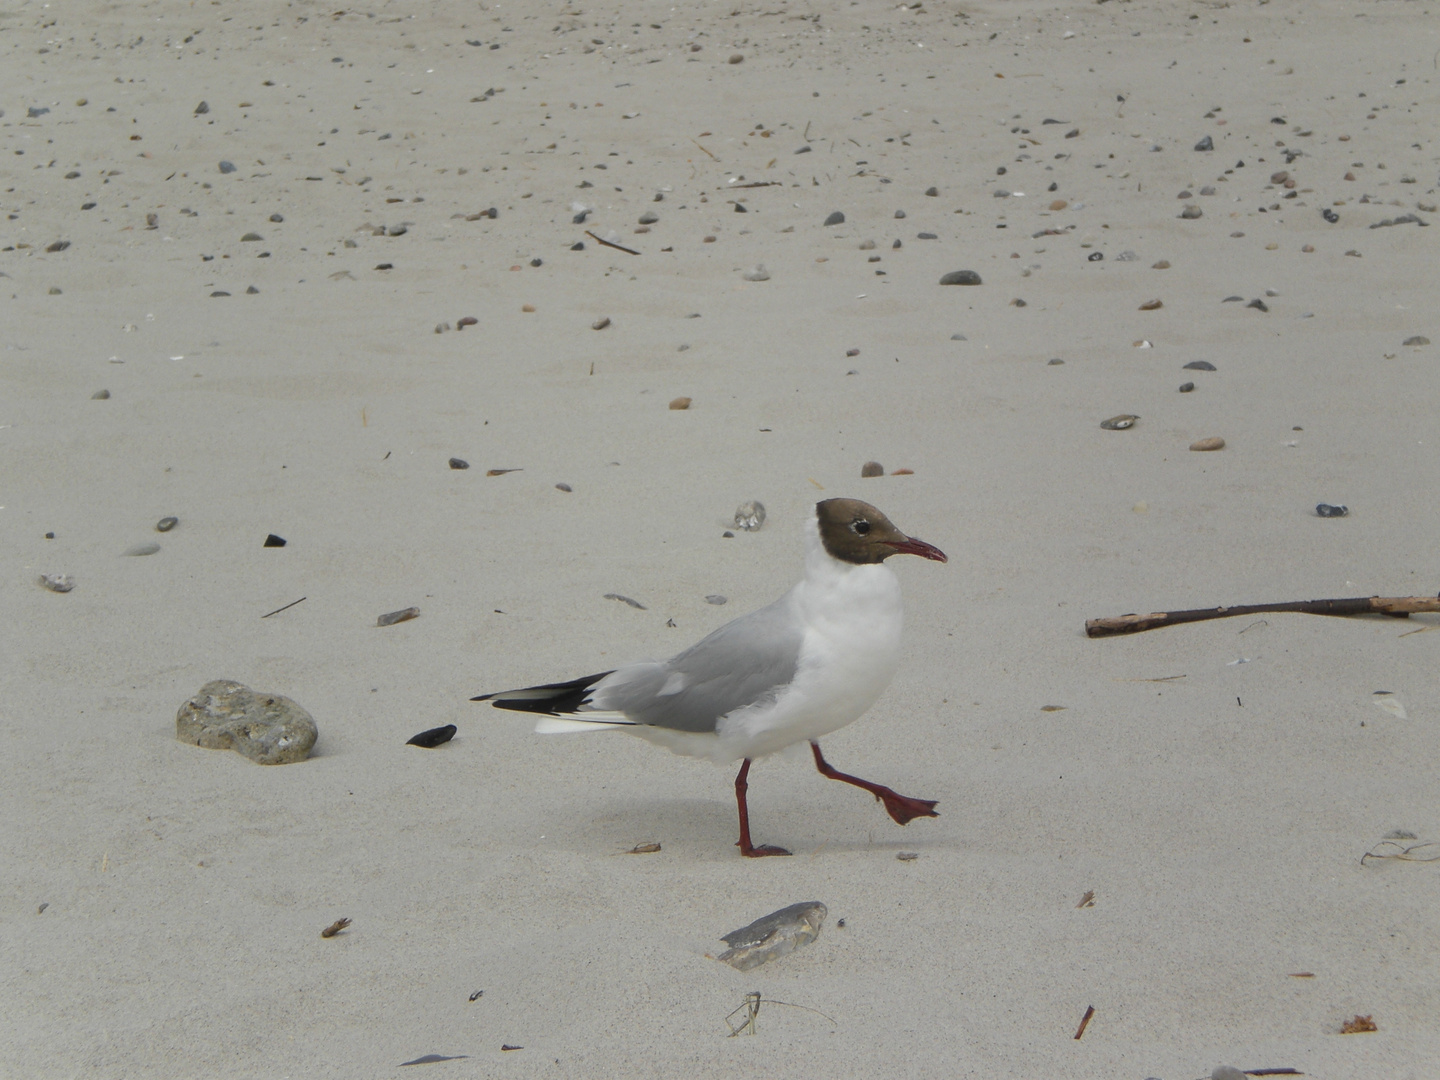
(862, 527)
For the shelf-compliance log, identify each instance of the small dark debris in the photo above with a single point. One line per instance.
(430, 739)
(274, 541)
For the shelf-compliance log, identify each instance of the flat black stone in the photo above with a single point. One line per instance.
(433, 738)
(274, 541)
(1199, 365)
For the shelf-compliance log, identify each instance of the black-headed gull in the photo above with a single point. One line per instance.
(806, 665)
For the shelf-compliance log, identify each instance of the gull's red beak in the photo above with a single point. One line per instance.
(912, 546)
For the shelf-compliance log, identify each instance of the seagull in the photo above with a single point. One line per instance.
(808, 664)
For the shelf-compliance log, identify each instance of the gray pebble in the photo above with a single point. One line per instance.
(202, 108)
(1258, 305)
(803, 150)
(148, 548)
(926, 236)
(251, 290)
(57, 582)
(266, 728)
(1199, 365)
(1190, 213)
(961, 277)
(1207, 190)
(649, 218)
(750, 515)
(1418, 339)
(932, 192)
(226, 167)
(1207, 143)
(835, 218)
(459, 463)
(895, 246)
(958, 337)
(1186, 387)
(1055, 362)
(1232, 300)
(165, 524)
(1127, 256)
(899, 214)
(1186, 194)
(716, 598)
(1119, 423)
(251, 237)
(563, 487)
(872, 468)
(867, 245)
(390, 618)
(100, 395)
(759, 273)
(1326, 510)
(36, 110)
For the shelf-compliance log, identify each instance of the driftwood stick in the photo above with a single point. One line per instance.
(1398, 606)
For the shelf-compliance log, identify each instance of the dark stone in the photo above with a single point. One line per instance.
(1258, 305)
(438, 736)
(226, 167)
(459, 463)
(961, 277)
(1326, 510)
(274, 541)
(1095, 256)
(1330, 215)
(202, 108)
(1199, 365)
(1186, 387)
(926, 236)
(1207, 143)
(836, 218)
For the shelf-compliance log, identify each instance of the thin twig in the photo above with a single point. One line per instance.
(287, 607)
(1398, 606)
(712, 156)
(611, 243)
(1089, 1012)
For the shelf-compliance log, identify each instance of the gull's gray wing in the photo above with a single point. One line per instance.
(744, 662)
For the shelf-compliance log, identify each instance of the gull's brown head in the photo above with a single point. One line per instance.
(856, 532)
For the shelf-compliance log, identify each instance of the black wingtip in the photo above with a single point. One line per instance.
(556, 699)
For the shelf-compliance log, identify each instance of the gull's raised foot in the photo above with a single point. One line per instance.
(904, 809)
(761, 851)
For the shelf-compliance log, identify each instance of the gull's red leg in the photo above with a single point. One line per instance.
(749, 850)
(900, 807)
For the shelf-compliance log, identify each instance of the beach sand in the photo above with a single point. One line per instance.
(1215, 785)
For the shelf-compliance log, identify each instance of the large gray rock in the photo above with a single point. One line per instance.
(227, 715)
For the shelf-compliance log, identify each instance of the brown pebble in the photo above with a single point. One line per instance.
(1152, 305)
(1059, 204)
(1308, 248)
(600, 324)
(1279, 177)
(872, 468)
(1163, 264)
(335, 928)
(393, 617)
(852, 352)
(1212, 443)
(1349, 176)
(736, 58)
(708, 240)
(680, 403)
(468, 320)
(903, 472)
(563, 487)
(528, 308)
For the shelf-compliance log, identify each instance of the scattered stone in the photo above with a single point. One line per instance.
(625, 600)
(1059, 204)
(907, 856)
(563, 487)
(1208, 189)
(100, 395)
(274, 541)
(147, 548)
(835, 218)
(958, 337)
(736, 58)
(750, 515)
(926, 236)
(961, 277)
(932, 192)
(717, 599)
(528, 309)
(165, 524)
(1212, 443)
(680, 403)
(1095, 256)
(1127, 256)
(1186, 194)
(1207, 143)
(1418, 339)
(459, 463)
(1329, 215)
(777, 934)
(601, 323)
(1199, 365)
(872, 468)
(1279, 177)
(58, 245)
(436, 736)
(649, 217)
(899, 215)
(1232, 300)
(251, 290)
(218, 292)
(758, 273)
(1119, 423)
(1190, 213)
(251, 237)
(1163, 264)
(1326, 510)
(466, 320)
(1054, 362)
(442, 327)
(1017, 302)
(867, 245)
(390, 618)
(266, 728)
(57, 582)
(852, 352)
(1186, 387)
(803, 150)
(1258, 305)
(54, 290)
(1152, 305)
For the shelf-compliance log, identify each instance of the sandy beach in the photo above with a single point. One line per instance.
(1166, 827)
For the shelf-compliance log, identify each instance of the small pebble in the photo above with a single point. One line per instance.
(1119, 423)
(899, 214)
(165, 524)
(100, 395)
(1192, 212)
(835, 218)
(459, 463)
(58, 245)
(437, 736)
(625, 600)
(529, 309)
(867, 245)
(958, 337)
(1329, 215)
(1418, 339)
(251, 290)
(649, 218)
(392, 617)
(758, 273)
(907, 856)
(926, 236)
(852, 352)
(1059, 204)
(251, 237)
(1017, 302)
(1199, 365)
(1207, 143)
(148, 548)
(1163, 264)
(441, 328)
(1095, 256)
(226, 167)
(736, 58)
(466, 320)
(1186, 387)
(1232, 300)
(1258, 305)
(1055, 361)
(872, 468)
(1152, 305)
(750, 515)
(57, 582)
(961, 277)
(274, 541)
(1326, 510)
(680, 403)
(600, 324)
(202, 108)
(1186, 194)
(932, 192)
(1212, 443)
(563, 487)
(716, 598)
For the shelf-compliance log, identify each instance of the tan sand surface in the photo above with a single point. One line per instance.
(161, 905)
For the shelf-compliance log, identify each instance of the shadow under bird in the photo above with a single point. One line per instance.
(802, 667)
